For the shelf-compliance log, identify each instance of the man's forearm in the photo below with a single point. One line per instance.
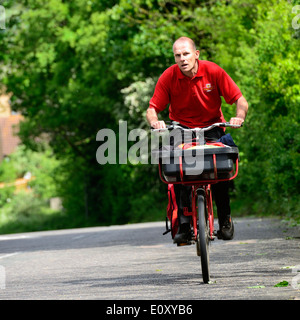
(152, 119)
(241, 111)
(241, 108)
(151, 116)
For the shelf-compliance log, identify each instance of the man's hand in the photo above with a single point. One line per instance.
(236, 121)
(158, 124)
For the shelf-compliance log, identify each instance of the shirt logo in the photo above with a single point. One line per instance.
(208, 87)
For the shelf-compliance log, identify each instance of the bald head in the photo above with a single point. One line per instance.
(187, 40)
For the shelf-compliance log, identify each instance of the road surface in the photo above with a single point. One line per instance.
(137, 262)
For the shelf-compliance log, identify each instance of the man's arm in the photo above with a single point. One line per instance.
(152, 119)
(241, 111)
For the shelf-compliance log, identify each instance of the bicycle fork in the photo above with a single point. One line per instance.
(204, 190)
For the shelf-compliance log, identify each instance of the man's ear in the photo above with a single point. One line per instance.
(197, 54)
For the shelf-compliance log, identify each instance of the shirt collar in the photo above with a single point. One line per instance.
(199, 72)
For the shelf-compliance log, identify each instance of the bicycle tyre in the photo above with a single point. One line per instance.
(202, 238)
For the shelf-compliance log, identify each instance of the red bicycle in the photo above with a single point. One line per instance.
(219, 162)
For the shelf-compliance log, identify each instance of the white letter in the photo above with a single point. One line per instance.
(153, 309)
(181, 309)
(195, 163)
(109, 310)
(2, 17)
(137, 310)
(141, 145)
(295, 25)
(109, 145)
(122, 142)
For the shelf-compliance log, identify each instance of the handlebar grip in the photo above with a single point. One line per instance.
(227, 124)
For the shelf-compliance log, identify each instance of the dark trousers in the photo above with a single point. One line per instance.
(220, 190)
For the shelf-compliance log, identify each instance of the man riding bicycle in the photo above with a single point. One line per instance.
(193, 88)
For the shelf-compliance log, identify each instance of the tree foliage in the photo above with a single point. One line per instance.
(75, 67)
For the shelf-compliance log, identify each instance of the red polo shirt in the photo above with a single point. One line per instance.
(195, 102)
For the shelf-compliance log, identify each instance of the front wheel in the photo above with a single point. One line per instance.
(202, 238)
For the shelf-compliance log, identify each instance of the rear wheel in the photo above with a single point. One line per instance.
(203, 238)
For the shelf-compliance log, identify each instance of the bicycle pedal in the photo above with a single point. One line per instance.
(182, 244)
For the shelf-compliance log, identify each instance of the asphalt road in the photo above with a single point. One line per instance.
(137, 262)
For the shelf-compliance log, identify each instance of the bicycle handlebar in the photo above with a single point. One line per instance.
(176, 125)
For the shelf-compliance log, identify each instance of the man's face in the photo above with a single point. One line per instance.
(185, 56)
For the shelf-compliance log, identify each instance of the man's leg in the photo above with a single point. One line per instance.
(183, 196)
(220, 192)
